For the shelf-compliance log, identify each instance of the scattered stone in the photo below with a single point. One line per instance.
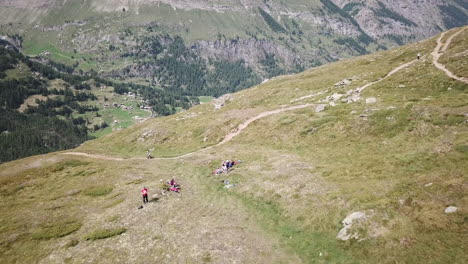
(343, 82)
(320, 108)
(221, 101)
(353, 112)
(371, 100)
(451, 209)
(401, 86)
(428, 184)
(352, 99)
(332, 104)
(335, 96)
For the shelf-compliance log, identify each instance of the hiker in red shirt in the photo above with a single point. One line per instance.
(144, 192)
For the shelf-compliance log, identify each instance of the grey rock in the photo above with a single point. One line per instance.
(451, 209)
(345, 233)
(371, 100)
(353, 217)
(343, 82)
(352, 99)
(320, 108)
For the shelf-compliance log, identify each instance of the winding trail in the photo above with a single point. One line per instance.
(438, 52)
(395, 70)
(226, 139)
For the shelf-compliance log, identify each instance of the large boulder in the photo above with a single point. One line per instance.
(346, 232)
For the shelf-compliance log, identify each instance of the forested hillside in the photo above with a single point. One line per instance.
(37, 117)
(167, 62)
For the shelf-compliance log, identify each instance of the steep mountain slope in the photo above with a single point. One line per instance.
(261, 39)
(382, 138)
(404, 21)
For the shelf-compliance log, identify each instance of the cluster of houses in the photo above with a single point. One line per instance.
(143, 106)
(45, 54)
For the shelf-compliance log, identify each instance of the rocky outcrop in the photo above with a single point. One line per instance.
(249, 50)
(403, 20)
(221, 101)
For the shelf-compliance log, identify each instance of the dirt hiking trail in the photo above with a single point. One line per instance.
(226, 139)
(438, 51)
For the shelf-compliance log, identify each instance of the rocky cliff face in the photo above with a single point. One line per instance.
(249, 50)
(407, 20)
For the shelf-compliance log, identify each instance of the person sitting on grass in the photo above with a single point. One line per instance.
(174, 186)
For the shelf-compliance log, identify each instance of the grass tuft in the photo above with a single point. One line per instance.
(105, 233)
(56, 230)
(70, 163)
(462, 148)
(115, 202)
(96, 191)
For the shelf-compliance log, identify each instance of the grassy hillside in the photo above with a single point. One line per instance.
(398, 155)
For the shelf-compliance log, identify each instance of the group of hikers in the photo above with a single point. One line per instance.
(225, 166)
(170, 185)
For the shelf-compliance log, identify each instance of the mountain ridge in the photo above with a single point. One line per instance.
(313, 33)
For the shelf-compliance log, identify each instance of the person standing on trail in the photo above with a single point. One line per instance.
(144, 193)
(419, 56)
(148, 154)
